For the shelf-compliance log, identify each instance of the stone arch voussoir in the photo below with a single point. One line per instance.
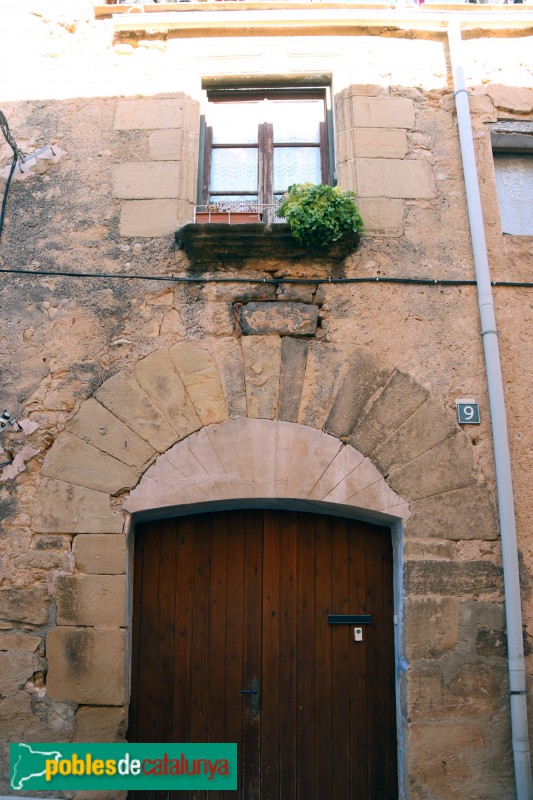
(358, 403)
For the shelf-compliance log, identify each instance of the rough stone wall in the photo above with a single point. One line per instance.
(62, 339)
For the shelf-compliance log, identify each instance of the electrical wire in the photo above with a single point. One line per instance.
(267, 281)
(17, 155)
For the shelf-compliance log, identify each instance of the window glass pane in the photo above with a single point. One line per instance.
(296, 120)
(234, 170)
(296, 165)
(234, 123)
(514, 181)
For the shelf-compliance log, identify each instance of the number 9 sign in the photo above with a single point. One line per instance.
(467, 412)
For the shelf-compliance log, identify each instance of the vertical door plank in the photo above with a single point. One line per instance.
(182, 611)
(358, 659)
(341, 663)
(251, 750)
(288, 648)
(165, 632)
(216, 667)
(324, 659)
(375, 680)
(150, 611)
(234, 710)
(199, 679)
(270, 699)
(306, 757)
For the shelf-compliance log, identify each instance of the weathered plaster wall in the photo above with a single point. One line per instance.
(62, 340)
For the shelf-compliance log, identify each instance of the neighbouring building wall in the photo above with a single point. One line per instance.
(91, 363)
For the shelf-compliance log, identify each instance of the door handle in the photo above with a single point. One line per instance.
(254, 700)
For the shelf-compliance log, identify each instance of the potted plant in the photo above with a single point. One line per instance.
(232, 213)
(319, 215)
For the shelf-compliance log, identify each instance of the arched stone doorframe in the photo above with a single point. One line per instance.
(237, 419)
(255, 463)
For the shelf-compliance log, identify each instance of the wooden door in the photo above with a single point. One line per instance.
(223, 600)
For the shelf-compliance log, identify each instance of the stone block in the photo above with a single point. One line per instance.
(325, 368)
(262, 365)
(482, 627)
(408, 179)
(62, 507)
(228, 355)
(37, 559)
(511, 98)
(84, 465)
(285, 319)
(146, 218)
(297, 292)
(166, 145)
(191, 116)
(91, 600)
(428, 426)
(365, 90)
(429, 549)
(446, 466)
(25, 605)
(449, 760)
(149, 113)
(15, 669)
(293, 362)
(347, 176)
(382, 112)
(379, 143)
(100, 553)
(344, 463)
(345, 145)
(431, 627)
(364, 375)
(198, 370)
(187, 182)
(99, 724)
(343, 111)
(449, 578)
(99, 427)
(364, 476)
(400, 398)
(146, 180)
(443, 515)
(19, 641)
(157, 376)
(471, 691)
(382, 216)
(86, 666)
(123, 396)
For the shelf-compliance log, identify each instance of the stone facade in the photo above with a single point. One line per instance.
(152, 387)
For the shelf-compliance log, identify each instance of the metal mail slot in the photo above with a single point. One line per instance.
(349, 619)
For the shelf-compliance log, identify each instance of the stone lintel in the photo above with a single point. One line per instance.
(285, 319)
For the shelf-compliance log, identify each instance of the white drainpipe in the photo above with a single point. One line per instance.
(513, 610)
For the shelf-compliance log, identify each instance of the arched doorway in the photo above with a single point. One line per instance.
(243, 631)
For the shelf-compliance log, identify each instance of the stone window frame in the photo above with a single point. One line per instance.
(512, 139)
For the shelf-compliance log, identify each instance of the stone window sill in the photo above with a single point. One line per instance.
(220, 244)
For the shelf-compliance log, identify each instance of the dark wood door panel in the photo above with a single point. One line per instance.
(224, 598)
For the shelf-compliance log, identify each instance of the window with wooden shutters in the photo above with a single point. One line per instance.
(259, 142)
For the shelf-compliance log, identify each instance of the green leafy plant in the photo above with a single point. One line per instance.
(319, 215)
